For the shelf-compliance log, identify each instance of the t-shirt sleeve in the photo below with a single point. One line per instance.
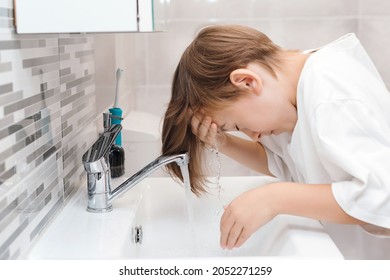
(276, 164)
(354, 147)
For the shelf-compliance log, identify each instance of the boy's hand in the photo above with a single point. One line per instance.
(207, 131)
(243, 216)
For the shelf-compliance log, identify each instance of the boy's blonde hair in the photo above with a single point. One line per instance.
(201, 81)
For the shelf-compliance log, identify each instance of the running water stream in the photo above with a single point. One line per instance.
(215, 168)
(190, 206)
(189, 195)
(216, 191)
(215, 165)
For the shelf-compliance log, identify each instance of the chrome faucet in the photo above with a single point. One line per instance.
(96, 163)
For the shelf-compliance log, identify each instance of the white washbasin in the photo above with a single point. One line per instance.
(159, 206)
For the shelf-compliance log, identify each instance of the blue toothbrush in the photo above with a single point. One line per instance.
(116, 111)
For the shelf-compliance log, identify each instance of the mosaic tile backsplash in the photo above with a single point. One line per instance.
(47, 113)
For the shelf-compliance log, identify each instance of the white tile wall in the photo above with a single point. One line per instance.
(47, 108)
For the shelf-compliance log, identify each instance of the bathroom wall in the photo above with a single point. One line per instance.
(113, 51)
(373, 31)
(47, 112)
(301, 24)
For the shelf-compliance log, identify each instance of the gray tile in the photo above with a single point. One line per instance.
(87, 84)
(43, 87)
(31, 137)
(31, 62)
(9, 45)
(48, 199)
(84, 53)
(39, 190)
(36, 107)
(23, 103)
(72, 98)
(69, 153)
(15, 127)
(66, 94)
(27, 139)
(3, 204)
(72, 41)
(4, 133)
(79, 81)
(11, 97)
(38, 152)
(42, 69)
(51, 151)
(9, 208)
(5, 88)
(8, 174)
(30, 101)
(29, 44)
(67, 78)
(66, 131)
(65, 71)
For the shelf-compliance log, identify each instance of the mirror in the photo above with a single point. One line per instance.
(75, 16)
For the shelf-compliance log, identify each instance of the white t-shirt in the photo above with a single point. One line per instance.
(342, 136)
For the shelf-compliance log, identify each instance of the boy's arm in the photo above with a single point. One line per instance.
(249, 153)
(253, 209)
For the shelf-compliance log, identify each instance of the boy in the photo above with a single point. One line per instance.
(318, 119)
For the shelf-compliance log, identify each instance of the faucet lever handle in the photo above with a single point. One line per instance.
(107, 120)
(102, 145)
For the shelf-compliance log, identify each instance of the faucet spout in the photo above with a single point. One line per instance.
(181, 159)
(100, 195)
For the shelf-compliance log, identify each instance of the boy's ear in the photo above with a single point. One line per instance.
(246, 80)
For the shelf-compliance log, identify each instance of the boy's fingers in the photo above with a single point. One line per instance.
(203, 128)
(212, 135)
(195, 122)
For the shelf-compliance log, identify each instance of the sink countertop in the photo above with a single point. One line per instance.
(76, 233)
(97, 235)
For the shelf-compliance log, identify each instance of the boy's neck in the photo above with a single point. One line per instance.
(290, 71)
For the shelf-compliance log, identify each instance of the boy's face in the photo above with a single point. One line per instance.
(257, 115)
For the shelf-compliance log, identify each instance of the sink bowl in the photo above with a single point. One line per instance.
(158, 219)
(168, 231)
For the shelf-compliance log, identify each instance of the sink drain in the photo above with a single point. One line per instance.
(137, 234)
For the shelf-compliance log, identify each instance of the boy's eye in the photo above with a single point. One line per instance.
(237, 128)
